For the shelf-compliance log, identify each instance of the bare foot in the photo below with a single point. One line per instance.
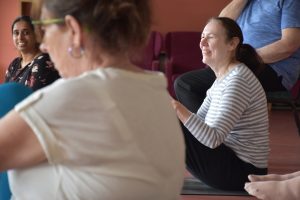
(273, 177)
(269, 177)
(265, 190)
(275, 190)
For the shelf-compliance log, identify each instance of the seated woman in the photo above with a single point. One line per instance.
(275, 186)
(228, 138)
(33, 68)
(100, 131)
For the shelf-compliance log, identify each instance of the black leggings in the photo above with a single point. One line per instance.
(190, 88)
(220, 167)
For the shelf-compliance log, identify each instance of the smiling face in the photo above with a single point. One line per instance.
(215, 47)
(23, 37)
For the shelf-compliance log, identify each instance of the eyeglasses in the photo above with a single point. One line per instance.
(48, 21)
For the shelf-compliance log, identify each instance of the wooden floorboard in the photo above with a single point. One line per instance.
(284, 155)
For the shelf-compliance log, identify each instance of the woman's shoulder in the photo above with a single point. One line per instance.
(15, 61)
(246, 79)
(243, 72)
(14, 65)
(242, 76)
(43, 61)
(43, 57)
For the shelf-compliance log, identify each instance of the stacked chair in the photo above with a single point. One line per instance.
(148, 58)
(178, 52)
(183, 54)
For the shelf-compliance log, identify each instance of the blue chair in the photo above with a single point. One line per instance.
(10, 95)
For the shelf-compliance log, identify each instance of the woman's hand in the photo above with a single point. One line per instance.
(182, 112)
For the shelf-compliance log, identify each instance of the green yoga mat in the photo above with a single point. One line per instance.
(193, 186)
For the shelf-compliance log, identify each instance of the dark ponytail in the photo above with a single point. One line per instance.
(245, 53)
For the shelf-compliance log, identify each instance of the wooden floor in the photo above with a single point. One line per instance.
(285, 151)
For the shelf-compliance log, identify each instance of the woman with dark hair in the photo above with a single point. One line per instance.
(33, 68)
(227, 139)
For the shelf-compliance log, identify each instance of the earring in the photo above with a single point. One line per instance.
(75, 54)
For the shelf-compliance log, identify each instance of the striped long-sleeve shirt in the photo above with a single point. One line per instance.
(235, 113)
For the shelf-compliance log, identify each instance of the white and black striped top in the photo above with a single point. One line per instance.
(235, 113)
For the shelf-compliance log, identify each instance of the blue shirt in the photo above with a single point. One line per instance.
(262, 22)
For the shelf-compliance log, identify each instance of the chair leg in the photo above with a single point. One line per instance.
(296, 117)
(297, 120)
(269, 107)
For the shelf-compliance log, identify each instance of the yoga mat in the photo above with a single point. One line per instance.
(10, 95)
(193, 186)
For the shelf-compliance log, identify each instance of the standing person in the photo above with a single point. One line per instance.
(228, 138)
(272, 27)
(88, 136)
(33, 68)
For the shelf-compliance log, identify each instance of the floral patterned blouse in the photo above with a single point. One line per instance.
(37, 74)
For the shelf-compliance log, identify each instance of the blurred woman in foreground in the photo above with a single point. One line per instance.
(99, 132)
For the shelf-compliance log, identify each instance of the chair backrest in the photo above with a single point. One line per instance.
(182, 48)
(150, 53)
(10, 94)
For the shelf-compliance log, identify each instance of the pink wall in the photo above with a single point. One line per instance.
(192, 15)
(9, 9)
(169, 15)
